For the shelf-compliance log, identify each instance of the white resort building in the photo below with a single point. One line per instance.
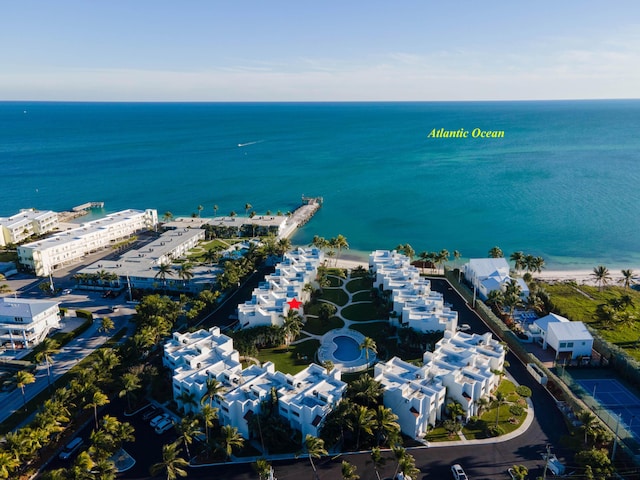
(460, 369)
(304, 399)
(488, 274)
(28, 222)
(24, 323)
(65, 248)
(414, 304)
(269, 301)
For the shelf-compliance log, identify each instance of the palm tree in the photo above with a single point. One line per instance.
(627, 278)
(164, 269)
(377, 459)
(349, 471)
(200, 208)
(188, 428)
(496, 252)
(8, 463)
(47, 349)
(520, 472)
(185, 272)
(213, 388)
(229, 439)
(442, 257)
(247, 207)
(97, 400)
(495, 298)
(500, 398)
(365, 390)
(130, 383)
(215, 210)
(455, 410)
(601, 275)
(362, 421)
(262, 468)
(315, 449)
(24, 378)
(292, 326)
(106, 325)
(209, 415)
(167, 216)
(339, 242)
(368, 345)
(386, 425)
(589, 423)
(172, 463)
(407, 250)
(518, 259)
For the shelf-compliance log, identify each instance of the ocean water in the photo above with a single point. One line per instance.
(562, 183)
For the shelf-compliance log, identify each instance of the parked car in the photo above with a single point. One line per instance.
(464, 327)
(458, 472)
(66, 291)
(163, 426)
(156, 420)
(71, 448)
(150, 412)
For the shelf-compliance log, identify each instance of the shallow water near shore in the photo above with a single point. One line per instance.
(562, 183)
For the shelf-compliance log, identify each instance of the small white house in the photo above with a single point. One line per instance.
(488, 274)
(569, 339)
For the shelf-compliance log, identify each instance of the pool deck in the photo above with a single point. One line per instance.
(328, 348)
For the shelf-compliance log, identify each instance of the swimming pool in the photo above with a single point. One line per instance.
(348, 349)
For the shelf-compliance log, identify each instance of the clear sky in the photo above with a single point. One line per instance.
(298, 50)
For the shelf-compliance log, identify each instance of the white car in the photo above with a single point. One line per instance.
(156, 420)
(458, 472)
(464, 327)
(163, 426)
(66, 291)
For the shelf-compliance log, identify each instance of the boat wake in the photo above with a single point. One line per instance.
(250, 143)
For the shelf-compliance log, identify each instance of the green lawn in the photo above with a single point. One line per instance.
(373, 330)
(362, 297)
(334, 281)
(358, 284)
(335, 295)
(320, 327)
(291, 360)
(361, 311)
(8, 256)
(570, 303)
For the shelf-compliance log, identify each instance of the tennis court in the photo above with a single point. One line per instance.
(616, 398)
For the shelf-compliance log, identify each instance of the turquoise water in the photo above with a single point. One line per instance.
(348, 349)
(562, 183)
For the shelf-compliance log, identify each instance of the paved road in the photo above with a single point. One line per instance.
(75, 350)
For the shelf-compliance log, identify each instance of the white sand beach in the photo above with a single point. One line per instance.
(581, 277)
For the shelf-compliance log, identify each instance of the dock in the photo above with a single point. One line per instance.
(87, 206)
(302, 214)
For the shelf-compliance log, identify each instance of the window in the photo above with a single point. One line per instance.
(563, 344)
(18, 319)
(569, 344)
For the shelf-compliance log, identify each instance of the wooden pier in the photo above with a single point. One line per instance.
(87, 206)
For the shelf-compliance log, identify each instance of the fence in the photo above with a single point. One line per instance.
(570, 389)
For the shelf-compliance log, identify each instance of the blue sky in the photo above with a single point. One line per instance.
(157, 50)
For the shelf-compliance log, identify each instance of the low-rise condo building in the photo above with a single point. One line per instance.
(236, 226)
(460, 369)
(28, 222)
(273, 297)
(196, 357)
(488, 274)
(415, 305)
(24, 323)
(304, 399)
(68, 247)
(140, 268)
(412, 394)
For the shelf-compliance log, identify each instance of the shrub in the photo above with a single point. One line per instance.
(516, 410)
(523, 391)
(495, 431)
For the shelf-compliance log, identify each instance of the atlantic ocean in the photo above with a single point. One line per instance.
(561, 183)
